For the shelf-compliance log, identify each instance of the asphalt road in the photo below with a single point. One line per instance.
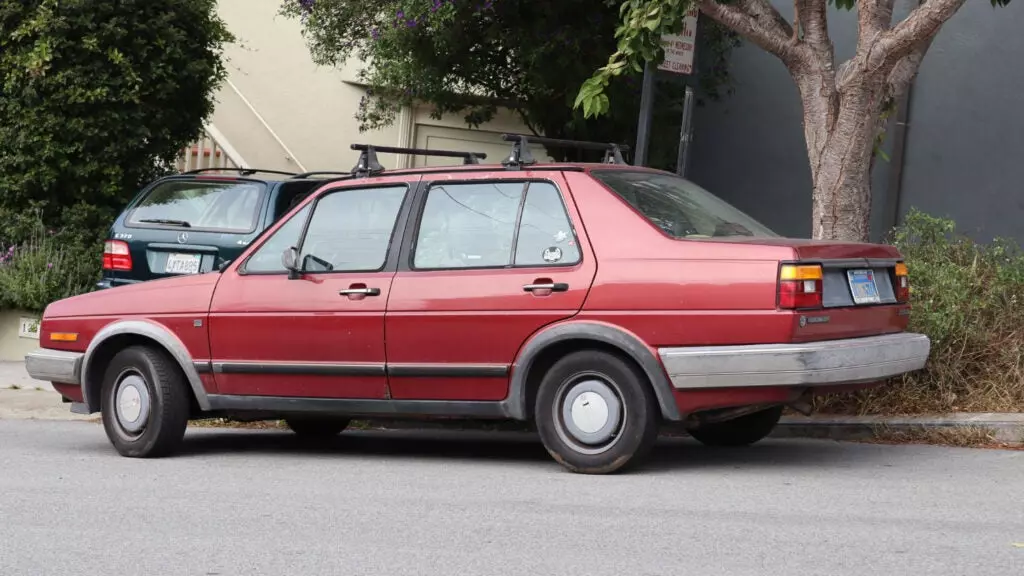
(247, 502)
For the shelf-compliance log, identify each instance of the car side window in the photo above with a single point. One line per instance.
(468, 225)
(351, 229)
(546, 236)
(267, 258)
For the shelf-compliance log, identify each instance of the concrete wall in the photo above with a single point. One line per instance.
(305, 108)
(13, 346)
(962, 146)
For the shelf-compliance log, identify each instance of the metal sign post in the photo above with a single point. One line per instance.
(685, 133)
(679, 49)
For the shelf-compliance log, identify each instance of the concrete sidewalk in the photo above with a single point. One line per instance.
(13, 375)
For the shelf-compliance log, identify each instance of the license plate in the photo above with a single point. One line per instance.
(862, 286)
(182, 263)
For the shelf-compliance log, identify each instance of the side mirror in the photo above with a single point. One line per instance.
(290, 259)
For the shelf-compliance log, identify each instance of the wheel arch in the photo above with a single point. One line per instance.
(119, 335)
(553, 342)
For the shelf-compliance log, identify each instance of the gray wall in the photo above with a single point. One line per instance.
(964, 137)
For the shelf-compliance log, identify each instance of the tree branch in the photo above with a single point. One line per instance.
(755, 20)
(906, 69)
(923, 23)
(814, 21)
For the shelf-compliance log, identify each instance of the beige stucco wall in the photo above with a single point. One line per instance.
(309, 108)
(13, 347)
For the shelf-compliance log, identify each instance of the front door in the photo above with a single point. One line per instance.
(320, 333)
(492, 260)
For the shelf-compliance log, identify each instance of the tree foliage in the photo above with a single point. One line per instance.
(96, 98)
(474, 57)
(845, 104)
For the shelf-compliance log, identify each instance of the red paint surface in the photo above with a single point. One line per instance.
(72, 392)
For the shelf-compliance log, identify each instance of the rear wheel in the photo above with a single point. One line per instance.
(317, 428)
(742, 431)
(596, 413)
(145, 403)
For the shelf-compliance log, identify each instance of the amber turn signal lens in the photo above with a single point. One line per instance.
(794, 272)
(64, 337)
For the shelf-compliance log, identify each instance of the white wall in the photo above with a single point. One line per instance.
(310, 110)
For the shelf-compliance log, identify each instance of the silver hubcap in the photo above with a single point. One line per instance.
(591, 414)
(132, 403)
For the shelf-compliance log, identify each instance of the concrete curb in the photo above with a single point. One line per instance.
(1006, 428)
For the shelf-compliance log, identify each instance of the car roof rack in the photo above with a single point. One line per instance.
(241, 171)
(521, 156)
(368, 165)
(319, 173)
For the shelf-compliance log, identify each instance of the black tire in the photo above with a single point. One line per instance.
(742, 431)
(635, 428)
(317, 428)
(163, 425)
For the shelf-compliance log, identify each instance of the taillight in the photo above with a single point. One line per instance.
(902, 283)
(116, 256)
(800, 287)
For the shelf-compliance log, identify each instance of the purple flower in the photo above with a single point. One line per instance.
(375, 33)
(307, 5)
(436, 6)
(400, 15)
(49, 265)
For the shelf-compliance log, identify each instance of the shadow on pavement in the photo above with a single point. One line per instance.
(669, 454)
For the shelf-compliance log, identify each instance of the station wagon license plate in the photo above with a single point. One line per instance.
(182, 264)
(862, 286)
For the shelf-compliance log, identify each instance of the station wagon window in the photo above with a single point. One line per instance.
(267, 258)
(680, 207)
(228, 206)
(473, 225)
(351, 230)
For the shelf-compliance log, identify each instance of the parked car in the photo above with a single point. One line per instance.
(195, 222)
(598, 300)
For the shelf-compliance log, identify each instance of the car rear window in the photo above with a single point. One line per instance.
(680, 207)
(228, 206)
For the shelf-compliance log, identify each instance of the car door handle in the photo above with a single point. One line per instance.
(360, 292)
(552, 286)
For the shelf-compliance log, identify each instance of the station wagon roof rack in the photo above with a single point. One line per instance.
(319, 173)
(521, 156)
(241, 171)
(368, 164)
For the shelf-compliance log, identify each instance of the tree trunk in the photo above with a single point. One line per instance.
(840, 142)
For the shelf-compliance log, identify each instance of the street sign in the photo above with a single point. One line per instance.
(679, 48)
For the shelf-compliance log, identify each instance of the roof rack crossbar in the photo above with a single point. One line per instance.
(612, 151)
(520, 155)
(467, 157)
(241, 171)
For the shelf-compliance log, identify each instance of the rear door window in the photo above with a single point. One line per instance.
(228, 206)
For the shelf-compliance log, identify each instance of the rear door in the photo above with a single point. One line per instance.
(191, 225)
(492, 259)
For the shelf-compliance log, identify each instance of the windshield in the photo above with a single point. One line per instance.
(230, 206)
(680, 207)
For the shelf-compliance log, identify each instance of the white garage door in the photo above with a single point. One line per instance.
(465, 140)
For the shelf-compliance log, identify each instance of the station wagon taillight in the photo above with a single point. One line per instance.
(116, 256)
(800, 287)
(902, 284)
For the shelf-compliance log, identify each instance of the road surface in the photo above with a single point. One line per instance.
(395, 503)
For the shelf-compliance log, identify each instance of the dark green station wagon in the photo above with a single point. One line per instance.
(195, 222)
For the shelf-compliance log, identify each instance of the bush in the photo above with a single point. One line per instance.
(96, 98)
(45, 269)
(969, 299)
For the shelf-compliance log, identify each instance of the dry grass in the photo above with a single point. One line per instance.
(969, 299)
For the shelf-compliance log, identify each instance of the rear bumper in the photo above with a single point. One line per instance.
(814, 364)
(55, 366)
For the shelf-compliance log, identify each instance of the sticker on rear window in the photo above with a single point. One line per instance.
(552, 254)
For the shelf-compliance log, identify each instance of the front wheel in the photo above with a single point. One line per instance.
(145, 403)
(596, 413)
(742, 431)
